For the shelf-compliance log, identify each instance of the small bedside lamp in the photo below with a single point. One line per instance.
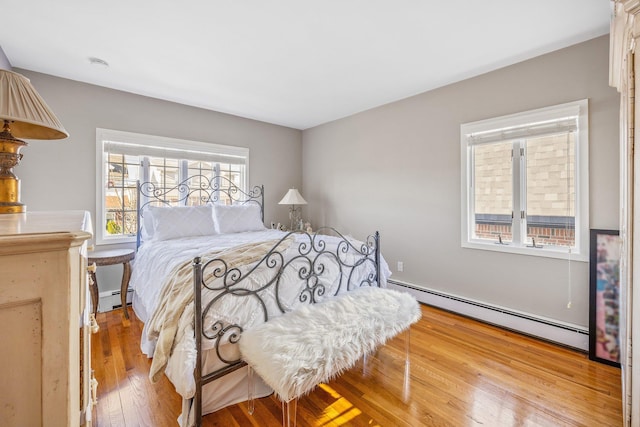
(293, 198)
(25, 115)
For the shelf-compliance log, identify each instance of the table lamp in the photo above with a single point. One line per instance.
(23, 114)
(293, 198)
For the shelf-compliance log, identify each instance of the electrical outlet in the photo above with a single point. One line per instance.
(400, 266)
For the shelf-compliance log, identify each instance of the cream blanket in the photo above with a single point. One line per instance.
(176, 298)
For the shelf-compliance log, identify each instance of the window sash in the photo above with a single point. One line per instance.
(483, 182)
(517, 191)
(571, 117)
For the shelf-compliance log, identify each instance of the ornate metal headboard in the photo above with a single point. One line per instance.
(194, 191)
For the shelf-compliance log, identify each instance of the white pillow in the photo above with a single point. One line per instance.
(146, 229)
(238, 218)
(182, 221)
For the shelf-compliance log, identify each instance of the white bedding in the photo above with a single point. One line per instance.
(156, 259)
(153, 264)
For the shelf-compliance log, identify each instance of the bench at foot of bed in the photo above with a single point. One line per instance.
(297, 351)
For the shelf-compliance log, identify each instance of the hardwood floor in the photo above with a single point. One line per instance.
(463, 373)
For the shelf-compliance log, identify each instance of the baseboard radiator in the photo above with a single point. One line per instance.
(574, 336)
(110, 300)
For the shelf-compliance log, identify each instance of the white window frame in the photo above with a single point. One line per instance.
(468, 130)
(143, 141)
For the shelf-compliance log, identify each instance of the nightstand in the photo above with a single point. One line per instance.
(111, 257)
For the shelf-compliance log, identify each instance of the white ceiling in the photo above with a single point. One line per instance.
(296, 63)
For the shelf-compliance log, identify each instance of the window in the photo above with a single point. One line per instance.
(125, 158)
(525, 182)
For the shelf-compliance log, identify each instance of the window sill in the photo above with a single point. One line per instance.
(111, 240)
(546, 252)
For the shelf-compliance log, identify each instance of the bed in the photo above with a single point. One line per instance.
(211, 237)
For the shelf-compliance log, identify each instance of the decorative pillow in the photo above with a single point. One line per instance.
(182, 221)
(238, 218)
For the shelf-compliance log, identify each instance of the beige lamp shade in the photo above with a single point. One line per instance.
(293, 197)
(28, 114)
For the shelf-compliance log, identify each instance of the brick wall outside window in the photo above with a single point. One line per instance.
(543, 235)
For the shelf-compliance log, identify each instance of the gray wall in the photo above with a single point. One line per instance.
(4, 61)
(60, 175)
(396, 169)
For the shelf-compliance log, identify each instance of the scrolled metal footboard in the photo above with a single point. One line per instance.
(323, 265)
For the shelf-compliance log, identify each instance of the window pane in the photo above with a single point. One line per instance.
(164, 172)
(120, 194)
(200, 175)
(120, 207)
(234, 175)
(116, 170)
(493, 192)
(551, 193)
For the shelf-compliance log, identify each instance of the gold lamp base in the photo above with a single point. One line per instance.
(10, 196)
(19, 208)
(9, 183)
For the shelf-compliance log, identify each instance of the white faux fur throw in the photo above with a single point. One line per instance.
(314, 343)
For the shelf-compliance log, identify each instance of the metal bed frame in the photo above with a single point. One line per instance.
(311, 255)
(309, 260)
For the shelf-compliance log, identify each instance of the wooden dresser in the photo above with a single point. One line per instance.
(44, 319)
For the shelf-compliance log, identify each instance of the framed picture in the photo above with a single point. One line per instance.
(604, 297)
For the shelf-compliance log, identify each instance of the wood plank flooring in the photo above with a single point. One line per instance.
(463, 373)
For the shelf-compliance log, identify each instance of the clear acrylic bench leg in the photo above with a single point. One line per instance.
(406, 386)
(251, 392)
(289, 410)
(406, 393)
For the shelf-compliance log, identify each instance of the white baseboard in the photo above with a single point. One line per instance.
(110, 300)
(548, 329)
